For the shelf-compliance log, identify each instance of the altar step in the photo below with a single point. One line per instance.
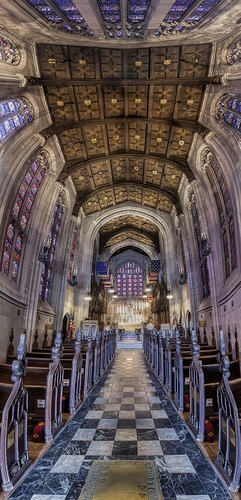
(129, 344)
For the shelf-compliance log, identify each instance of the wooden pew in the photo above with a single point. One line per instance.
(14, 457)
(229, 439)
(203, 386)
(45, 385)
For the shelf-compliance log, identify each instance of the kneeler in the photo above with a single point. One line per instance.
(38, 432)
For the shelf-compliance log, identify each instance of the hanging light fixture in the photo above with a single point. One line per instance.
(111, 290)
(169, 294)
(114, 296)
(148, 289)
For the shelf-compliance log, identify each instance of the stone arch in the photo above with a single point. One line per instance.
(129, 242)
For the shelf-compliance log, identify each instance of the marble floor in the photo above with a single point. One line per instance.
(127, 416)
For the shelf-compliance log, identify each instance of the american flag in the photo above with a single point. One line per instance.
(73, 323)
(155, 265)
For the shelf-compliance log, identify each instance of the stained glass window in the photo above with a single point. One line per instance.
(21, 212)
(229, 111)
(16, 257)
(51, 244)
(14, 114)
(8, 248)
(183, 257)
(8, 52)
(223, 201)
(59, 11)
(137, 10)
(129, 280)
(188, 12)
(72, 255)
(110, 10)
(234, 52)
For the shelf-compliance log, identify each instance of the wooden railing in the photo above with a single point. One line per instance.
(14, 457)
(76, 378)
(54, 392)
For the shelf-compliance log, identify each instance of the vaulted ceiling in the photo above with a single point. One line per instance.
(125, 119)
(129, 226)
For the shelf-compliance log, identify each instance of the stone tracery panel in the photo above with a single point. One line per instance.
(224, 206)
(8, 52)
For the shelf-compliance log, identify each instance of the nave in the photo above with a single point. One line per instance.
(127, 416)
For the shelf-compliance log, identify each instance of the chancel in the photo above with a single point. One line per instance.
(120, 262)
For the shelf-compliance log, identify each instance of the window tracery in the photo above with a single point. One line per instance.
(185, 15)
(229, 111)
(62, 13)
(224, 207)
(51, 245)
(8, 52)
(14, 114)
(20, 214)
(200, 243)
(129, 281)
(234, 52)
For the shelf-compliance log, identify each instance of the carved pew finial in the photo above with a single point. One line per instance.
(213, 337)
(19, 365)
(222, 346)
(35, 343)
(198, 335)
(57, 350)
(10, 350)
(195, 347)
(229, 340)
(236, 343)
(78, 340)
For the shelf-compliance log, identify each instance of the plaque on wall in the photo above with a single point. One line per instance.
(202, 323)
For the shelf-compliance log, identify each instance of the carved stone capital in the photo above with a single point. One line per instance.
(22, 80)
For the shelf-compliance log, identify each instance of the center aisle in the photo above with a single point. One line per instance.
(127, 416)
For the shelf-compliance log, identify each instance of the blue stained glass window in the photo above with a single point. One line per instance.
(8, 53)
(234, 53)
(178, 9)
(45, 10)
(111, 11)
(17, 119)
(201, 10)
(136, 10)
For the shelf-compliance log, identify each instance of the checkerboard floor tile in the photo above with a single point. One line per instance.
(127, 416)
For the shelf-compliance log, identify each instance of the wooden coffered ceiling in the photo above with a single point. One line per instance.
(129, 226)
(125, 119)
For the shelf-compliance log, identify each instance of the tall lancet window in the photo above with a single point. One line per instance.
(224, 207)
(229, 111)
(14, 114)
(51, 245)
(19, 219)
(200, 243)
(8, 52)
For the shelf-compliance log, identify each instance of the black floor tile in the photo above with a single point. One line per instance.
(91, 423)
(127, 407)
(110, 414)
(104, 435)
(126, 423)
(124, 448)
(147, 435)
(143, 414)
